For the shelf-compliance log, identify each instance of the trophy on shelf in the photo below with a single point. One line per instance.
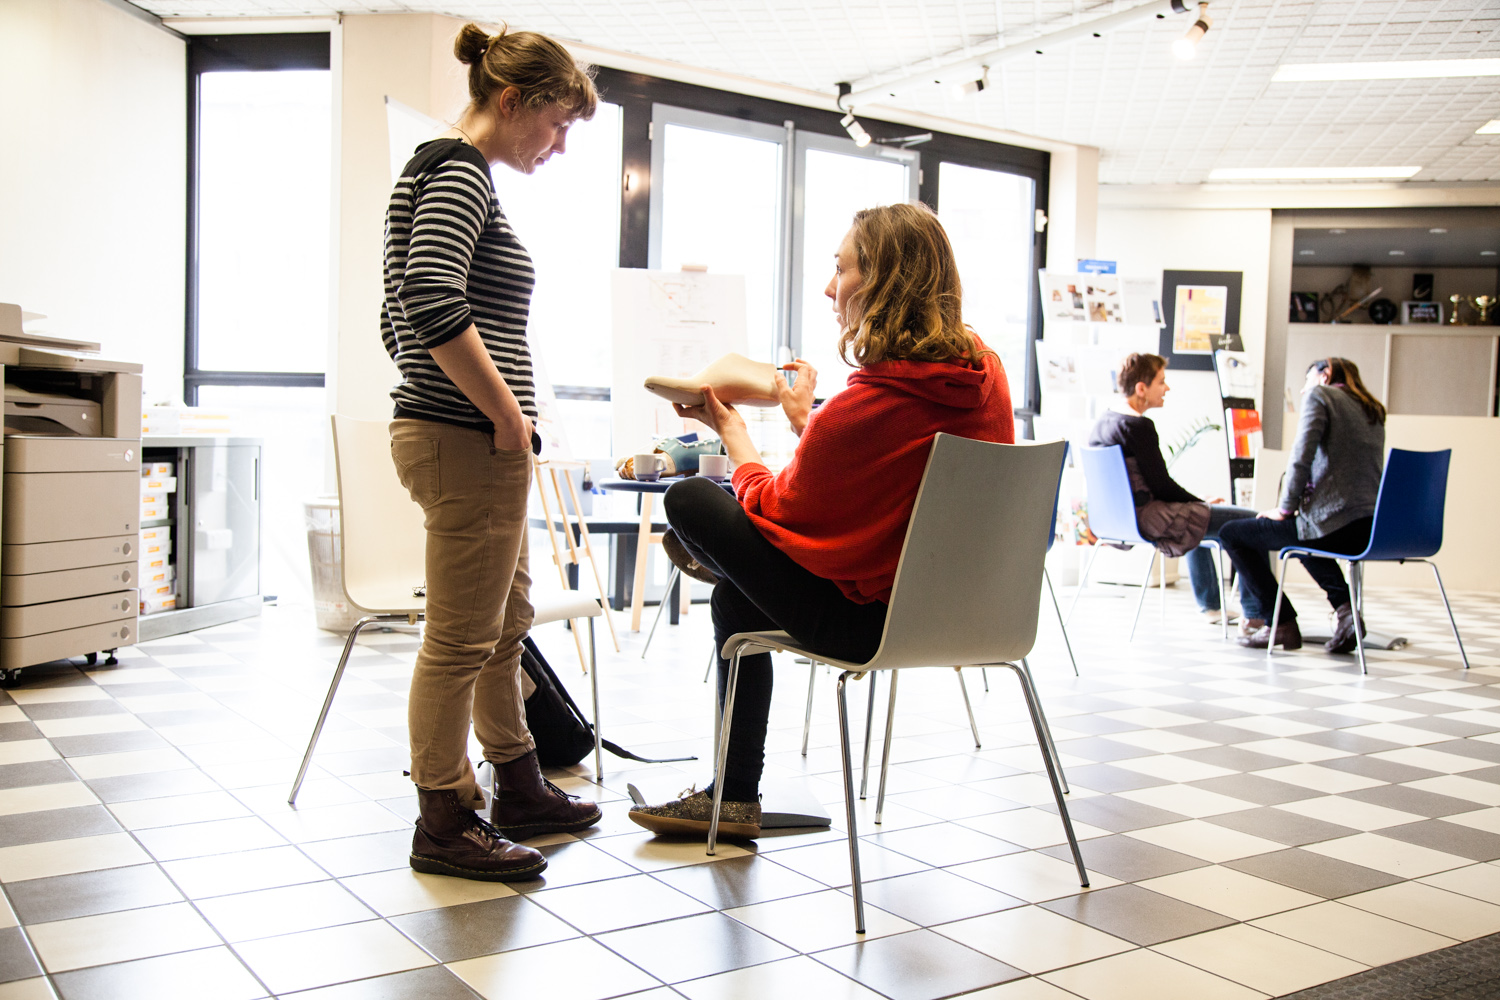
(1458, 305)
(1482, 305)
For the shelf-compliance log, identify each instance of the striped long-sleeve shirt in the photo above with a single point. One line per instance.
(451, 260)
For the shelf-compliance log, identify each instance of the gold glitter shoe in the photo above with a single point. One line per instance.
(692, 812)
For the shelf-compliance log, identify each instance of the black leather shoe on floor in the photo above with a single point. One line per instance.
(528, 805)
(453, 840)
(1288, 637)
(683, 559)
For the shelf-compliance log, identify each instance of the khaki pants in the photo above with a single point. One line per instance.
(478, 611)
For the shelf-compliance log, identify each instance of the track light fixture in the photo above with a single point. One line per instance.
(1187, 46)
(851, 124)
(962, 90)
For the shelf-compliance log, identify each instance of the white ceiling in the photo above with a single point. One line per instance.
(1156, 120)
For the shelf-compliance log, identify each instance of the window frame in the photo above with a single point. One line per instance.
(207, 54)
(637, 93)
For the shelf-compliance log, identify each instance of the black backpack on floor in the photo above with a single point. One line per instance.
(563, 736)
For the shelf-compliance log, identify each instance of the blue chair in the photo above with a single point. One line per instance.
(1408, 527)
(1112, 520)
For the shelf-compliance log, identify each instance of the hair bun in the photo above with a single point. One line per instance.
(471, 44)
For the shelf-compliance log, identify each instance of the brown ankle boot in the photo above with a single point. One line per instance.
(1288, 636)
(452, 840)
(1344, 639)
(528, 805)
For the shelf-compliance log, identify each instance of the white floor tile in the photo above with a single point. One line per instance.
(1032, 939)
(1259, 959)
(1448, 913)
(1198, 839)
(120, 937)
(331, 955)
(1394, 857)
(402, 890)
(1354, 933)
(594, 972)
(1349, 812)
(68, 857)
(1230, 892)
(1146, 975)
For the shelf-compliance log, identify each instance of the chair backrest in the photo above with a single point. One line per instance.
(382, 534)
(1409, 510)
(969, 581)
(1111, 501)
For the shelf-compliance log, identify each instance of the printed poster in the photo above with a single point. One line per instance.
(1200, 317)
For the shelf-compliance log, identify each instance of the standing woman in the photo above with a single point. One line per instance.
(458, 288)
(1332, 482)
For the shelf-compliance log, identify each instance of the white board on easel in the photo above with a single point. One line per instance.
(667, 323)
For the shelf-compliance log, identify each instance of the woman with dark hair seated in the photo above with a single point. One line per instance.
(1328, 498)
(813, 550)
(1166, 514)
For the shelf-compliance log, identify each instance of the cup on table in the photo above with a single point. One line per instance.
(714, 467)
(648, 468)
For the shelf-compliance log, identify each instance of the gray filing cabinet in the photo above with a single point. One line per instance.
(215, 528)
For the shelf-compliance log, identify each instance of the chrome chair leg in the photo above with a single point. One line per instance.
(333, 687)
(666, 599)
(1276, 609)
(812, 680)
(1357, 577)
(1048, 747)
(985, 676)
(849, 817)
(1145, 586)
(594, 680)
(1223, 595)
(885, 755)
(968, 707)
(713, 658)
(1033, 704)
(1082, 582)
(725, 722)
(1451, 621)
(864, 778)
(1067, 643)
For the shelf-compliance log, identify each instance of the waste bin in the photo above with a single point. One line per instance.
(331, 606)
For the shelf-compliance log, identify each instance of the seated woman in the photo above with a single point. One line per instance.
(1332, 481)
(813, 549)
(1176, 520)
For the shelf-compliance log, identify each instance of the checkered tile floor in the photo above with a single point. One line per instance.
(1253, 828)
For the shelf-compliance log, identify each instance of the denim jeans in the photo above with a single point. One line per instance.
(760, 588)
(1249, 542)
(1201, 560)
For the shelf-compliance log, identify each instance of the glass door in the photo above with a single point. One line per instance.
(834, 179)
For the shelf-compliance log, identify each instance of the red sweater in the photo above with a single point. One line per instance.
(841, 508)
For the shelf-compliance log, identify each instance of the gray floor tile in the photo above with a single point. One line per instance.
(1380, 770)
(151, 978)
(65, 896)
(1255, 788)
(1314, 873)
(1110, 812)
(1100, 749)
(1454, 727)
(738, 882)
(19, 731)
(1107, 778)
(694, 947)
(1206, 712)
(919, 965)
(36, 772)
(83, 746)
(1234, 758)
(1128, 859)
(1490, 774)
(1137, 915)
(435, 983)
(1412, 800)
(1450, 838)
(1337, 739)
(72, 709)
(132, 787)
(56, 824)
(1477, 749)
(453, 933)
(1215, 732)
(1281, 826)
(936, 897)
(1094, 725)
(16, 960)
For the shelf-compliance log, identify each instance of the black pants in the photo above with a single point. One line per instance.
(1247, 542)
(760, 588)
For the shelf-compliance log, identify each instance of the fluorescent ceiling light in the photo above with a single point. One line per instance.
(1417, 69)
(1489, 128)
(1310, 173)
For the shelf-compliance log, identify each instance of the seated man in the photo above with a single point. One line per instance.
(1176, 520)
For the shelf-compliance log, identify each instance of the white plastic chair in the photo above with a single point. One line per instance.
(384, 544)
(967, 591)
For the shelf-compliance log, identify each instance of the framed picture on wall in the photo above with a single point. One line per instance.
(1202, 313)
(1416, 313)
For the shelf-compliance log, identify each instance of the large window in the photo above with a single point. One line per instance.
(988, 216)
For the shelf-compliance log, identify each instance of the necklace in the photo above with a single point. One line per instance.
(461, 132)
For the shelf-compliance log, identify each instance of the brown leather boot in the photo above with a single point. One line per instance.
(1288, 637)
(452, 840)
(528, 805)
(1344, 639)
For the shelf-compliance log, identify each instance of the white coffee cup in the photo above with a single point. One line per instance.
(714, 467)
(648, 468)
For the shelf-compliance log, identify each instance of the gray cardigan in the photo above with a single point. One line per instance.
(1333, 475)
